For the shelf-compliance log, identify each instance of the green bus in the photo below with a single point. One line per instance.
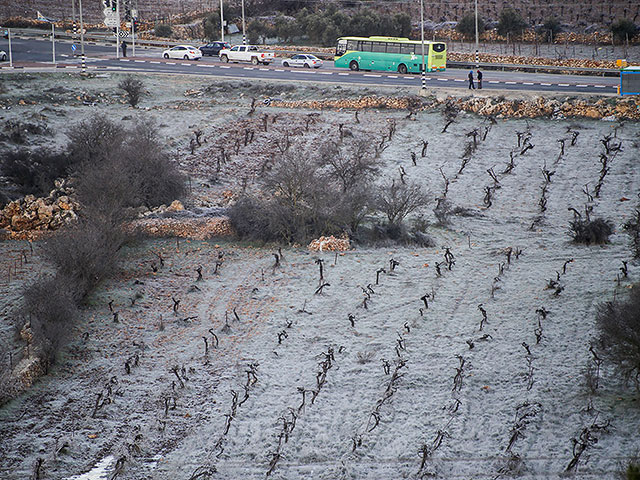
(389, 54)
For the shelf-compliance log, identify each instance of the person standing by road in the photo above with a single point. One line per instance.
(479, 79)
(471, 85)
(123, 45)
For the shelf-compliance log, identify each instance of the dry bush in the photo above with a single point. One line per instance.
(305, 196)
(132, 171)
(134, 89)
(619, 328)
(397, 201)
(85, 253)
(591, 231)
(51, 309)
(94, 139)
(350, 164)
(34, 172)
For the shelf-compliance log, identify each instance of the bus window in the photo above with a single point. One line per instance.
(393, 48)
(352, 45)
(379, 47)
(364, 46)
(407, 49)
(438, 47)
(341, 48)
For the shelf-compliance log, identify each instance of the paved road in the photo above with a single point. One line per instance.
(37, 53)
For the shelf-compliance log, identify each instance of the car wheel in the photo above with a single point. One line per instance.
(166, 55)
(402, 68)
(354, 66)
(224, 58)
(186, 57)
(254, 60)
(4, 57)
(285, 64)
(306, 65)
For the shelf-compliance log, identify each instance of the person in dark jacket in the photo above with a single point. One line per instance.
(479, 79)
(471, 85)
(123, 45)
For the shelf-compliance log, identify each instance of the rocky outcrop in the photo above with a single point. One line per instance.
(40, 213)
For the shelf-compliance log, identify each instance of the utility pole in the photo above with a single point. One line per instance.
(10, 54)
(84, 64)
(118, 29)
(244, 31)
(477, 54)
(423, 70)
(53, 41)
(75, 27)
(221, 22)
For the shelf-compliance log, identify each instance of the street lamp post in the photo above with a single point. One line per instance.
(221, 22)
(84, 64)
(477, 54)
(118, 29)
(244, 31)
(424, 73)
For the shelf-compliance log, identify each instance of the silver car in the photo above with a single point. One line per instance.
(302, 60)
(3, 56)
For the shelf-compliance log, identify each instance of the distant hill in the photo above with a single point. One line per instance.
(580, 14)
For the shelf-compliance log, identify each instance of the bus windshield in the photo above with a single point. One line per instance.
(341, 48)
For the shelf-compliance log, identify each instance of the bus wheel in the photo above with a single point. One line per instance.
(354, 66)
(402, 68)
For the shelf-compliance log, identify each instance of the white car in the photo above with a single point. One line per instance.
(3, 56)
(302, 60)
(187, 52)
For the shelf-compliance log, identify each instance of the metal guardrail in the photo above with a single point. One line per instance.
(605, 72)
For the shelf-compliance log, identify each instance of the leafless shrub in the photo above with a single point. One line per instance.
(94, 139)
(397, 201)
(51, 306)
(35, 171)
(134, 89)
(632, 226)
(619, 334)
(588, 231)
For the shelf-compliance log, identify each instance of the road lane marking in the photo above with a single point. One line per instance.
(140, 61)
(600, 86)
(225, 66)
(546, 84)
(582, 86)
(443, 79)
(152, 61)
(527, 83)
(493, 81)
(342, 73)
(264, 69)
(511, 83)
(393, 76)
(458, 80)
(170, 63)
(325, 73)
(370, 75)
(279, 70)
(247, 68)
(563, 84)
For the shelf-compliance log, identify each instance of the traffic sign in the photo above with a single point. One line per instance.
(122, 34)
(73, 47)
(111, 22)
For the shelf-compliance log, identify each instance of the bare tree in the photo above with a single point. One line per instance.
(397, 201)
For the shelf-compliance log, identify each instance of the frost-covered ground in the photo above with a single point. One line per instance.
(363, 422)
